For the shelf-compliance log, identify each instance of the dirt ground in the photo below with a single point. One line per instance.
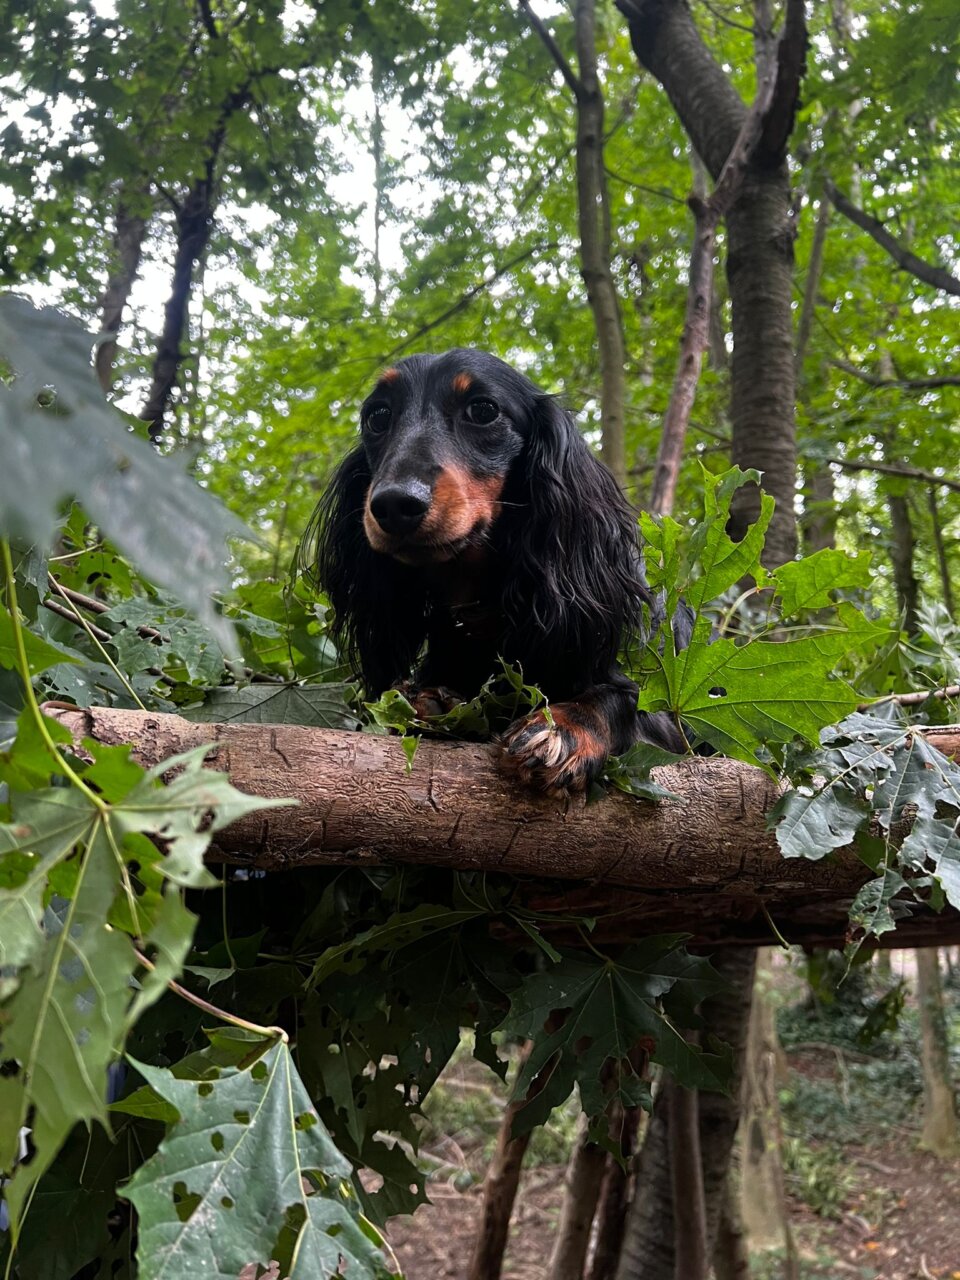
(900, 1218)
(914, 1235)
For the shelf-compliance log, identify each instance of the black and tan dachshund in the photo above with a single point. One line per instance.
(474, 523)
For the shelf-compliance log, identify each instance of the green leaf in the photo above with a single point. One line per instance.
(935, 841)
(40, 653)
(810, 825)
(810, 582)
(737, 697)
(872, 909)
(153, 511)
(186, 812)
(631, 771)
(722, 561)
(322, 706)
(228, 1180)
(392, 711)
(400, 930)
(588, 1013)
(63, 1023)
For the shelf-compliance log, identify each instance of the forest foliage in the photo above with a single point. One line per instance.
(315, 191)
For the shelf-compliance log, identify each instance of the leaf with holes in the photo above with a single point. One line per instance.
(248, 1174)
(810, 825)
(586, 1015)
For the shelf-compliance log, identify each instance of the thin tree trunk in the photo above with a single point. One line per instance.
(811, 286)
(593, 221)
(581, 1192)
(613, 1200)
(693, 343)
(941, 1133)
(379, 184)
(901, 554)
(763, 1192)
(820, 513)
(194, 220)
(500, 1186)
(717, 339)
(690, 1250)
(648, 1245)
(593, 214)
(130, 229)
(946, 585)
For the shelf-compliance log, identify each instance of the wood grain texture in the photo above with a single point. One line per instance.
(703, 862)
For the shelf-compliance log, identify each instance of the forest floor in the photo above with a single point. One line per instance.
(863, 1201)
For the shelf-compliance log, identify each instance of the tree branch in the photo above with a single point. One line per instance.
(930, 274)
(571, 79)
(895, 469)
(905, 384)
(782, 109)
(703, 862)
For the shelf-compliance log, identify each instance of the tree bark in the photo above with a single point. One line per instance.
(500, 1186)
(759, 255)
(703, 863)
(581, 1192)
(593, 215)
(613, 1199)
(648, 1248)
(901, 555)
(130, 228)
(731, 1260)
(941, 1132)
(690, 1250)
(593, 223)
(193, 221)
(763, 1191)
(943, 564)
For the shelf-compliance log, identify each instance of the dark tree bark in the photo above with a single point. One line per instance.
(760, 243)
(130, 228)
(581, 1193)
(613, 1200)
(648, 1250)
(901, 553)
(593, 220)
(943, 564)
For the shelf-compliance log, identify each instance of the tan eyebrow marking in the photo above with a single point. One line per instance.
(389, 375)
(462, 382)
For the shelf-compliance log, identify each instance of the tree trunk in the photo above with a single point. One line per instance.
(500, 1187)
(946, 584)
(130, 228)
(648, 1248)
(901, 554)
(593, 214)
(194, 220)
(690, 1251)
(941, 1133)
(731, 1260)
(763, 1191)
(581, 1192)
(613, 1200)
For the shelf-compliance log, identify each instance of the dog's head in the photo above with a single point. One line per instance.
(440, 434)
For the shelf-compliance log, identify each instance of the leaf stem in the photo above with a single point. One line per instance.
(23, 667)
(269, 1033)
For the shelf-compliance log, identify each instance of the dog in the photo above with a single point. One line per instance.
(473, 523)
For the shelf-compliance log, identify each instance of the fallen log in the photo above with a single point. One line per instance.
(703, 863)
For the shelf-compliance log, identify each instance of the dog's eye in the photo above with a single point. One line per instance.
(378, 418)
(482, 412)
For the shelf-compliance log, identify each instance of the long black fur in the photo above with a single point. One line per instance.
(563, 591)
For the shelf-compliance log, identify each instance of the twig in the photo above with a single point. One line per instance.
(207, 1007)
(913, 699)
(572, 81)
(904, 384)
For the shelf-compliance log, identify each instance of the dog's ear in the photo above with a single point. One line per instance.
(378, 605)
(576, 572)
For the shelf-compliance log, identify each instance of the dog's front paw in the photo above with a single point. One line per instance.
(555, 751)
(429, 702)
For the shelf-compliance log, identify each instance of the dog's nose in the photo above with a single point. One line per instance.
(400, 508)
